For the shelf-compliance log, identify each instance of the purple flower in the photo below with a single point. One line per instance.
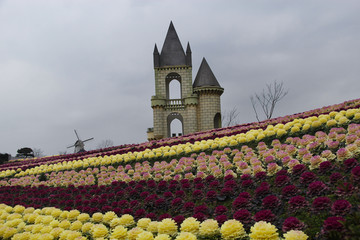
(168, 195)
(282, 172)
(334, 177)
(340, 207)
(180, 193)
(307, 177)
(345, 189)
(247, 183)
(350, 163)
(243, 216)
(260, 175)
(210, 178)
(262, 191)
(317, 188)
(221, 219)
(228, 177)
(227, 191)
(230, 183)
(355, 172)
(270, 202)
(152, 216)
(214, 184)
(240, 203)
(289, 191)
(333, 224)
(321, 204)
(264, 215)
(245, 177)
(201, 209)
(163, 216)
(189, 206)
(219, 210)
(199, 186)
(297, 202)
(245, 195)
(199, 216)
(160, 203)
(325, 167)
(177, 202)
(197, 194)
(282, 180)
(211, 195)
(140, 213)
(292, 223)
(297, 170)
(179, 219)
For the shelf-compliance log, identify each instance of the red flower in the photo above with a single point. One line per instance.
(292, 223)
(308, 177)
(325, 167)
(240, 203)
(264, 215)
(221, 219)
(163, 216)
(197, 194)
(334, 177)
(211, 195)
(247, 183)
(317, 188)
(243, 216)
(321, 204)
(297, 170)
(179, 219)
(355, 172)
(340, 207)
(270, 202)
(219, 210)
(201, 208)
(350, 163)
(140, 213)
(189, 206)
(333, 224)
(289, 191)
(297, 202)
(199, 216)
(282, 180)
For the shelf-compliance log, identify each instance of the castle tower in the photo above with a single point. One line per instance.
(173, 64)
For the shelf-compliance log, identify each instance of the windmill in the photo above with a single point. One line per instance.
(79, 144)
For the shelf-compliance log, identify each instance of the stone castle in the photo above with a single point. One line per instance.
(198, 108)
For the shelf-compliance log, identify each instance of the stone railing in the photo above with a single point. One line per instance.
(175, 104)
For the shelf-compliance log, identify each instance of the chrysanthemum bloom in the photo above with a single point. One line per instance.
(167, 226)
(76, 226)
(209, 228)
(127, 220)
(86, 227)
(295, 235)
(67, 234)
(263, 231)
(270, 202)
(355, 173)
(232, 229)
(190, 225)
(340, 207)
(333, 224)
(292, 223)
(133, 233)
(108, 216)
(99, 231)
(317, 188)
(143, 222)
(119, 232)
(145, 236)
(97, 217)
(83, 217)
(162, 237)
(342, 154)
(152, 227)
(321, 204)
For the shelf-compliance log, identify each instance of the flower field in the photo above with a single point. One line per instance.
(293, 177)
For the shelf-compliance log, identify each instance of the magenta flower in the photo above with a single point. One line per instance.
(140, 213)
(317, 188)
(321, 204)
(292, 223)
(297, 170)
(271, 202)
(333, 224)
(214, 184)
(307, 177)
(188, 206)
(297, 203)
(340, 207)
(197, 194)
(345, 189)
(260, 175)
(201, 209)
(355, 173)
(243, 216)
(240, 203)
(199, 216)
(289, 191)
(211, 195)
(350, 163)
(325, 167)
(221, 219)
(152, 216)
(245, 195)
(219, 210)
(282, 180)
(264, 215)
(163, 216)
(230, 183)
(179, 219)
(334, 177)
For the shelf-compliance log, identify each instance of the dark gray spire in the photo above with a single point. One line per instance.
(188, 55)
(172, 53)
(205, 77)
(156, 57)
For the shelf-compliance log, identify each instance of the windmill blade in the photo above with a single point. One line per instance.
(88, 139)
(71, 146)
(76, 134)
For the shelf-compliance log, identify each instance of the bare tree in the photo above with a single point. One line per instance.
(38, 152)
(230, 118)
(105, 143)
(268, 99)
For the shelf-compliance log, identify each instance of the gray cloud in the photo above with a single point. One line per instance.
(87, 65)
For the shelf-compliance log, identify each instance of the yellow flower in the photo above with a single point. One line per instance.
(209, 228)
(37, 228)
(83, 217)
(109, 216)
(69, 235)
(133, 233)
(46, 229)
(65, 224)
(152, 227)
(99, 230)
(119, 232)
(162, 237)
(190, 225)
(263, 231)
(127, 220)
(56, 213)
(19, 209)
(86, 227)
(56, 232)
(97, 217)
(143, 223)
(22, 236)
(76, 226)
(295, 235)
(54, 223)
(167, 226)
(186, 236)
(232, 229)
(9, 232)
(145, 236)
(331, 123)
(72, 215)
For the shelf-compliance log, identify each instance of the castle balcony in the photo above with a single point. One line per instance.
(175, 104)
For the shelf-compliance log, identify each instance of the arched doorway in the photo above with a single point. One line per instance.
(173, 88)
(175, 124)
(217, 120)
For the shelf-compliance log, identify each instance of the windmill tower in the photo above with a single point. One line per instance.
(79, 145)
(198, 107)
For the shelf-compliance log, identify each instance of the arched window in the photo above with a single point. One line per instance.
(173, 86)
(175, 124)
(217, 120)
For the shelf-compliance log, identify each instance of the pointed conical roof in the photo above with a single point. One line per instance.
(172, 52)
(205, 77)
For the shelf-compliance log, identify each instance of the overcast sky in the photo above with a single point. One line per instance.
(88, 65)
